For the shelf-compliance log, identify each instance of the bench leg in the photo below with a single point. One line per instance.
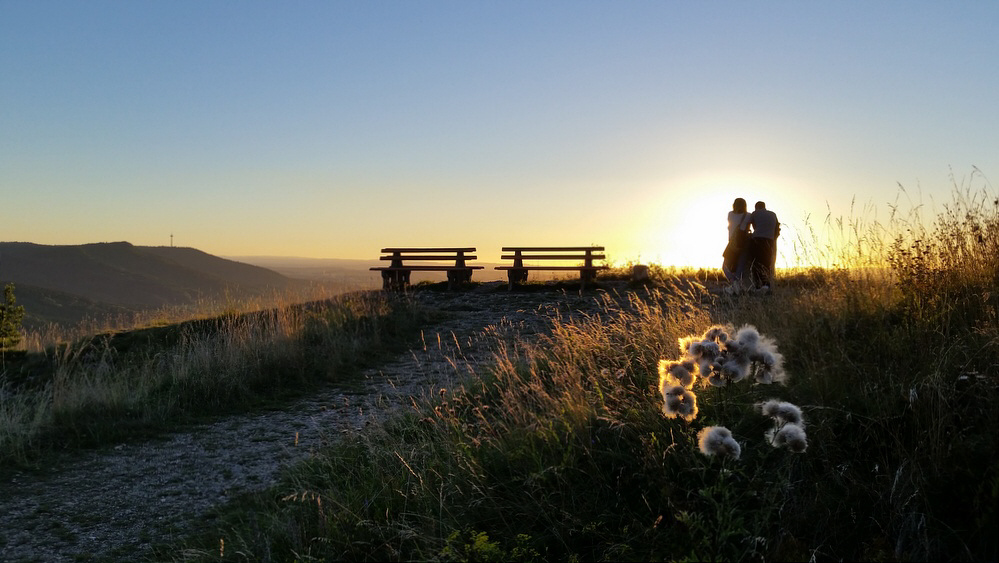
(515, 276)
(458, 277)
(587, 277)
(395, 281)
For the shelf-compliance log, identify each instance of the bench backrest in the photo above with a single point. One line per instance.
(457, 255)
(586, 253)
(423, 249)
(553, 248)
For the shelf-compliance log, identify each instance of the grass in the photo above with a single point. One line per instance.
(560, 450)
(118, 385)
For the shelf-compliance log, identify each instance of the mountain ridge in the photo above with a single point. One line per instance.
(66, 283)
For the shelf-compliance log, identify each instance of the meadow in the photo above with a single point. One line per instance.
(861, 424)
(72, 391)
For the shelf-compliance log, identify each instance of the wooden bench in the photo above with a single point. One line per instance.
(396, 275)
(517, 273)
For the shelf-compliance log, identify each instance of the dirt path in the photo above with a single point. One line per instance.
(113, 504)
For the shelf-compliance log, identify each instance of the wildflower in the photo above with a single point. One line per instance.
(679, 402)
(718, 440)
(783, 412)
(677, 372)
(791, 436)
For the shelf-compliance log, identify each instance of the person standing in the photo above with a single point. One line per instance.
(736, 252)
(763, 246)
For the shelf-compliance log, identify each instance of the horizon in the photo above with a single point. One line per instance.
(331, 130)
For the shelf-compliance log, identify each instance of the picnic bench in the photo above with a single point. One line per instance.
(517, 273)
(395, 276)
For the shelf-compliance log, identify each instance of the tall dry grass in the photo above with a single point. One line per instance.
(117, 385)
(560, 450)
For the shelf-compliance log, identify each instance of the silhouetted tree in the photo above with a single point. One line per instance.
(11, 315)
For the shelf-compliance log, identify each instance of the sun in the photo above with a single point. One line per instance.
(686, 223)
(690, 229)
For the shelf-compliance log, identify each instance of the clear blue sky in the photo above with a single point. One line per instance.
(331, 129)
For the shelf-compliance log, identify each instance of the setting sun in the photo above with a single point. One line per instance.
(686, 227)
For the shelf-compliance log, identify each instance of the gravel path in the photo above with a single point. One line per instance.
(113, 504)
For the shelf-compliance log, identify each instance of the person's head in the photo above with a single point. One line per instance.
(761, 205)
(739, 205)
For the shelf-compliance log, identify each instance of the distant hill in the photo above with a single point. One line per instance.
(67, 283)
(345, 271)
(323, 269)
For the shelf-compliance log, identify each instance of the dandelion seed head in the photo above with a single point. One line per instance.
(718, 440)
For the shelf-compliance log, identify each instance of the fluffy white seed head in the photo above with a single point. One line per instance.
(734, 370)
(718, 440)
(716, 332)
(790, 436)
(674, 372)
(748, 336)
(679, 402)
(686, 343)
(783, 412)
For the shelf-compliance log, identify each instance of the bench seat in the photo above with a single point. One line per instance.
(396, 276)
(517, 273)
(426, 268)
(567, 268)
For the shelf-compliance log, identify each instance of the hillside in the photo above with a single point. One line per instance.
(66, 283)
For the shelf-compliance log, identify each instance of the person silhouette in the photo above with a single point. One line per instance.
(736, 253)
(763, 246)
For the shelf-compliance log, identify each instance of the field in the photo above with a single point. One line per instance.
(574, 444)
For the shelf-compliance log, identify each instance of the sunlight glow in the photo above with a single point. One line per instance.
(688, 227)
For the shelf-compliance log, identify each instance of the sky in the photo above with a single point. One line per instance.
(331, 129)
